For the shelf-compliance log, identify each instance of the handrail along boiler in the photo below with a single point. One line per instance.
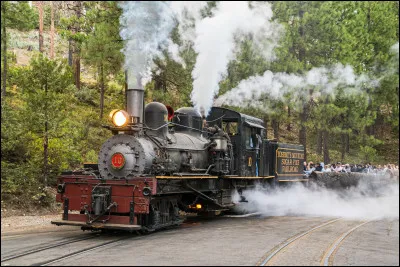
(159, 162)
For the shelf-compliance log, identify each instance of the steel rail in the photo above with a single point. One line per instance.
(9, 236)
(328, 257)
(274, 252)
(28, 252)
(82, 251)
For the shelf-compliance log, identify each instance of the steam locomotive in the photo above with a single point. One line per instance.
(159, 163)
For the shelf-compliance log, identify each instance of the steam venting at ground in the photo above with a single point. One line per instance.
(323, 81)
(361, 202)
(145, 27)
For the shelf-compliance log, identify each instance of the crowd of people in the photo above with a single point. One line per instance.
(339, 167)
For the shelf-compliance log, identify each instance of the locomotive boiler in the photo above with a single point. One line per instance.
(160, 163)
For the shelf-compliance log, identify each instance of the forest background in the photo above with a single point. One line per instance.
(61, 74)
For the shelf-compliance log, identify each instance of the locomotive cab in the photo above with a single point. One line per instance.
(246, 134)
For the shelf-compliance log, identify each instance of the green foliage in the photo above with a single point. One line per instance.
(318, 33)
(171, 83)
(368, 154)
(102, 44)
(19, 15)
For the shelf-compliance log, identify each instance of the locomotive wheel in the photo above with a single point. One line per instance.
(164, 212)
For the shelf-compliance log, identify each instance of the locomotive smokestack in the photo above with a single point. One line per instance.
(134, 96)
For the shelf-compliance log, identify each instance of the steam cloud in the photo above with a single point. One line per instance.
(395, 49)
(323, 80)
(356, 203)
(215, 44)
(145, 26)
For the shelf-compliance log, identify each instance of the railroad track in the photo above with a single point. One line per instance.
(60, 244)
(82, 251)
(328, 255)
(31, 251)
(9, 236)
(327, 259)
(8, 259)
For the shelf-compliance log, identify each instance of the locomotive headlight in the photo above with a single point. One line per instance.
(119, 117)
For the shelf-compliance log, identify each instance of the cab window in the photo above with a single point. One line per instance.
(230, 127)
(249, 135)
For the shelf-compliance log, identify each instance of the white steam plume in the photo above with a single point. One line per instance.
(395, 49)
(394, 64)
(322, 80)
(215, 43)
(186, 14)
(356, 203)
(145, 26)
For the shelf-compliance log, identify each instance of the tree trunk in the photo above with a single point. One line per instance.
(52, 30)
(302, 50)
(275, 126)
(70, 51)
(4, 53)
(347, 143)
(289, 126)
(266, 126)
(45, 144)
(101, 91)
(77, 49)
(302, 132)
(78, 72)
(40, 7)
(325, 138)
(343, 146)
(304, 114)
(370, 130)
(319, 143)
(45, 154)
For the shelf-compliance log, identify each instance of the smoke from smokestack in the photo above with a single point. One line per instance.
(145, 27)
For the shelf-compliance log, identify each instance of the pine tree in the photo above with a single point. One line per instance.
(14, 15)
(102, 46)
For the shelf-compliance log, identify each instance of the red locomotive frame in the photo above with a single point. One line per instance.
(128, 195)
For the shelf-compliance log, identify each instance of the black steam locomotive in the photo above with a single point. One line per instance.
(165, 162)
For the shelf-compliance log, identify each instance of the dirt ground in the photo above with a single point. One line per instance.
(24, 220)
(14, 224)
